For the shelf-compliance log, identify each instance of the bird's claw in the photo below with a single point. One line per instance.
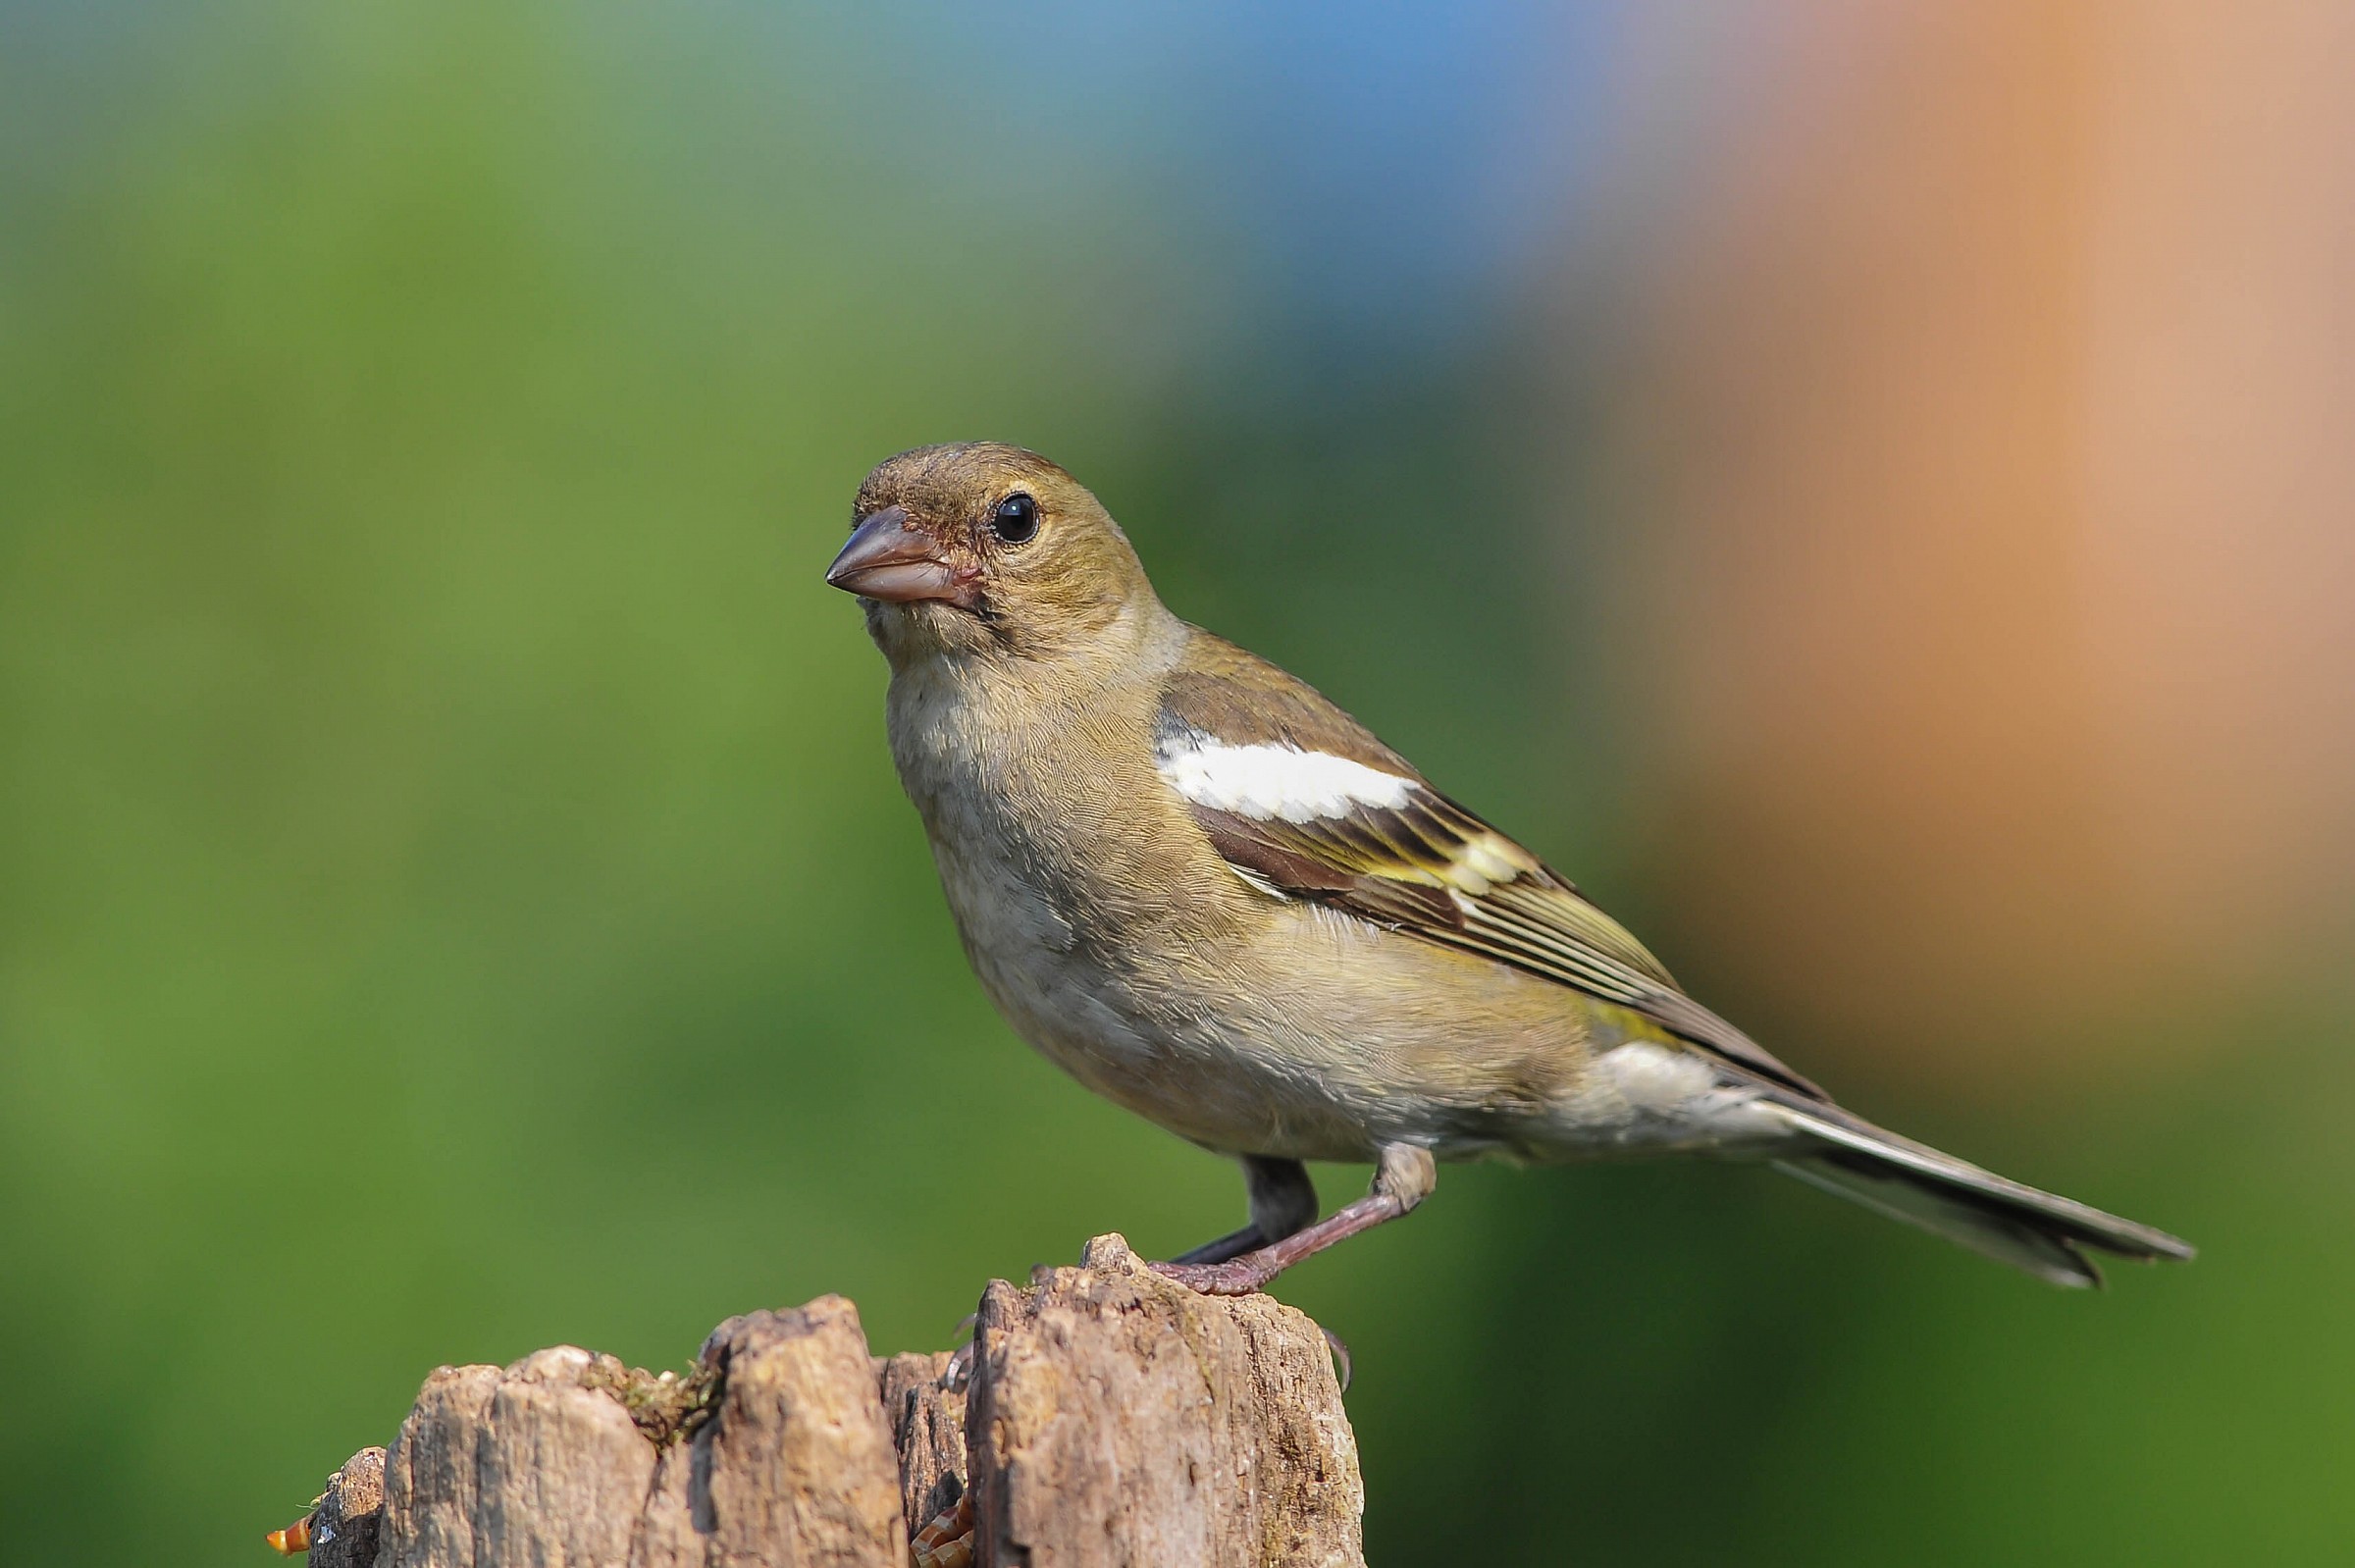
(959, 1369)
(1342, 1366)
(1241, 1277)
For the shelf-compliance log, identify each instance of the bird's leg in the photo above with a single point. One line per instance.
(1403, 1180)
(1283, 1200)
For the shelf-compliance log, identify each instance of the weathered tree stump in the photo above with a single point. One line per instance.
(1114, 1419)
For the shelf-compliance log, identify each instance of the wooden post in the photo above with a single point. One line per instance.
(1115, 1418)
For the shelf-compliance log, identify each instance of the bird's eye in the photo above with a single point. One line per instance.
(1014, 520)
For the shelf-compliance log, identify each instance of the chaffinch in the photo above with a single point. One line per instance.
(1214, 897)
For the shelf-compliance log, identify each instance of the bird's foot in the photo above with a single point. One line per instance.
(1242, 1276)
(1237, 1276)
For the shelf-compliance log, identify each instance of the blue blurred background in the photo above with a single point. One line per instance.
(1864, 489)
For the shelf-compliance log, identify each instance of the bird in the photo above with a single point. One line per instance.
(1212, 897)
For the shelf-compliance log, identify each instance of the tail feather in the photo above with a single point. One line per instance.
(2039, 1231)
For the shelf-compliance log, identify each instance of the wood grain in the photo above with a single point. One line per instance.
(1114, 1419)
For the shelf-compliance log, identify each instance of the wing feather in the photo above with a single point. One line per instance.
(1396, 852)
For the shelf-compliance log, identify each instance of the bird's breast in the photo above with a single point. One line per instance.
(1004, 801)
(1116, 941)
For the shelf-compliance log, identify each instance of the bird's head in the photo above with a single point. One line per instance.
(982, 549)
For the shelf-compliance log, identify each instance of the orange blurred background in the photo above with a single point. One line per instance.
(1995, 364)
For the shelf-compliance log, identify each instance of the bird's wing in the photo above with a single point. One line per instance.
(1303, 802)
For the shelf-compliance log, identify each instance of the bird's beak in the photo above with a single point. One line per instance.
(890, 558)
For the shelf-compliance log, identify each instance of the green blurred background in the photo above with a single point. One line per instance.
(1862, 488)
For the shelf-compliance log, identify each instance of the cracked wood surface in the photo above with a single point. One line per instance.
(1119, 1418)
(1112, 1419)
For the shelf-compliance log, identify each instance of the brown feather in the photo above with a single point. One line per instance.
(1417, 869)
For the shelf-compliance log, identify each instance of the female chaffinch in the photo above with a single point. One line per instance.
(1214, 897)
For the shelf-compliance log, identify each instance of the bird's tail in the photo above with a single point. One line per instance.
(2038, 1232)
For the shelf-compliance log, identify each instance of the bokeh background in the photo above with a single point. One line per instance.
(1866, 488)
